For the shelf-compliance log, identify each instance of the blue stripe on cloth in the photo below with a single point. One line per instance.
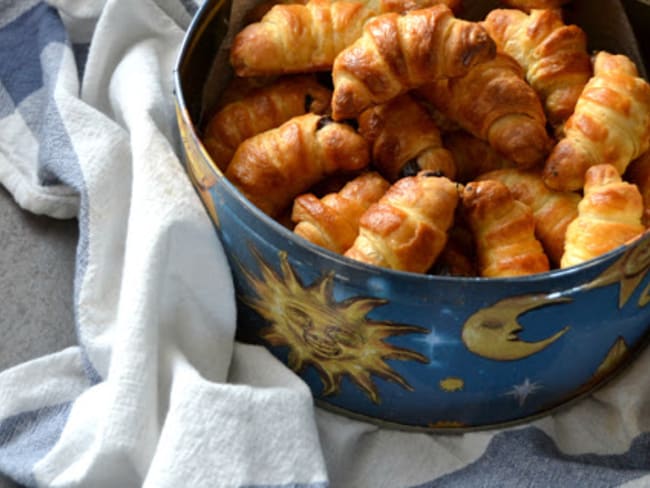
(19, 75)
(528, 457)
(57, 161)
(27, 437)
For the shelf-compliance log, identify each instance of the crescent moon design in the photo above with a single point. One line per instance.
(492, 332)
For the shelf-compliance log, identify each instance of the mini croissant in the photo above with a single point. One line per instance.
(553, 55)
(332, 222)
(307, 36)
(504, 231)
(398, 52)
(275, 166)
(553, 210)
(297, 37)
(493, 102)
(407, 228)
(261, 110)
(404, 139)
(609, 215)
(610, 125)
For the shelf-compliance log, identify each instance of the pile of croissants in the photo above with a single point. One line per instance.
(399, 134)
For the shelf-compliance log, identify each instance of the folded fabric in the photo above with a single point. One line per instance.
(157, 392)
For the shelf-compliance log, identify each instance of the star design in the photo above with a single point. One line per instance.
(523, 391)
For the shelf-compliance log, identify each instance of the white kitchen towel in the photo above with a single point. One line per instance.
(157, 392)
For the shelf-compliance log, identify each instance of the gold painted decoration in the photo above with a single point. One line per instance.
(493, 332)
(203, 177)
(336, 338)
(629, 270)
(452, 384)
(614, 357)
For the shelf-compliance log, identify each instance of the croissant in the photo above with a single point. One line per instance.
(473, 156)
(275, 166)
(638, 173)
(553, 55)
(398, 52)
(407, 228)
(307, 36)
(332, 222)
(261, 110)
(404, 139)
(528, 5)
(553, 210)
(378, 6)
(493, 102)
(610, 125)
(504, 231)
(609, 215)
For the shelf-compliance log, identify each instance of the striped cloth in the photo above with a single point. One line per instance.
(157, 392)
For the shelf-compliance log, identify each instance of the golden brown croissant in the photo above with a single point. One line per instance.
(610, 125)
(528, 5)
(404, 139)
(553, 55)
(609, 215)
(553, 210)
(297, 37)
(274, 167)
(261, 110)
(332, 222)
(504, 231)
(473, 156)
(307, 36)
(398, 52)
(493, 102)
(407, 228)
(638, 173)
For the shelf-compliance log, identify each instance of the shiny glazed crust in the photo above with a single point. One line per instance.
(398, 52)
(274, 167)
(553, 55)
(494, 103)
(263, 109)
(609, 215)
(407, 228)
(504, 231)
(553, 210)
(332, 222)
(610, 125)
(405, 139)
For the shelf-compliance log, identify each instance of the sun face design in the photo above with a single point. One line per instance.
(336, 338)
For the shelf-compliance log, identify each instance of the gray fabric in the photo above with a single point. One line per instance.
(36, 274)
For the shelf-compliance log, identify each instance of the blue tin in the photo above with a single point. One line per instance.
(408, 350)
